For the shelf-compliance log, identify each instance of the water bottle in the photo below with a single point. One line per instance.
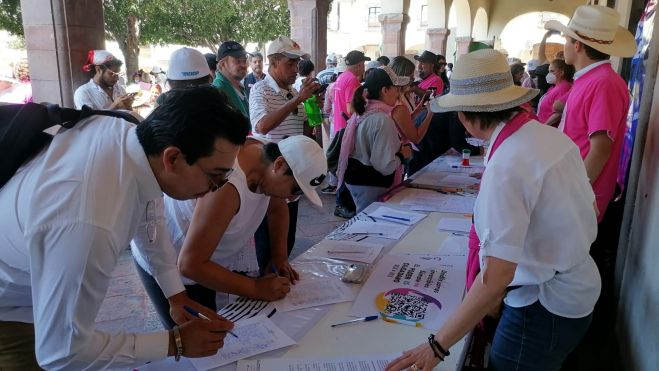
(314, 114)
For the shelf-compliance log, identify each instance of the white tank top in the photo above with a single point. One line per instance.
(253, 207)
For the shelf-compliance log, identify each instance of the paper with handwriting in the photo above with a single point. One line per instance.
(364, 252)
(308, 293)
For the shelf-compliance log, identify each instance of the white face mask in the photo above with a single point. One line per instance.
(551, 78)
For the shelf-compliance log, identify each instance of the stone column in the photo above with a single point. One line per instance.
(436, 40)
(393, 33)
(309, 28)
(58, 36)
(462, 45)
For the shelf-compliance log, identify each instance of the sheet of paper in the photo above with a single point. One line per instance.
(420, 291)
(308, 293)
(454, 245)
(256, 335)
(397, 216)
(363, 363)
(381, 229)
(364, 252)
(440, 202)
(455, 180)
(246, 308)
(454, 225)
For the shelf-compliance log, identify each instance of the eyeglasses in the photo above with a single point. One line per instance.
(290, 96)
(214, 184)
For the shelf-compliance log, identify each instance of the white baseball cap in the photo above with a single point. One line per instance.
(187, 64)
(289, 48)
(97, 58)
(307, 162)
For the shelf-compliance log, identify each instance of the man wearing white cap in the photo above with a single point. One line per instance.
(102, 91)
(187, 69)
(276, 112)
(209, 233)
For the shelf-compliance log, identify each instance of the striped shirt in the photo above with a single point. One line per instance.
(267, 97)
(95, 97)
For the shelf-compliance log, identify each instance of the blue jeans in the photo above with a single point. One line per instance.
(532, 338)
(365, 195)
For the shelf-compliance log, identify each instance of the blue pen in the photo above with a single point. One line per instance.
(396, 217)
(202, 316)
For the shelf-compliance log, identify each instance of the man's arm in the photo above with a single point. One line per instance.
(600, 151)
(273, 119)
(278, 228)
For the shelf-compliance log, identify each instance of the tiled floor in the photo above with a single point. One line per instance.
(127, 307)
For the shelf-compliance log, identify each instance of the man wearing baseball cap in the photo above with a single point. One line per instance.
(187, 69)
(102, 91)
(594, 118)
(276, 112)
(231, 69)
(429, 79)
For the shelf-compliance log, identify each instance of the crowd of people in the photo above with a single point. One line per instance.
(233, 153)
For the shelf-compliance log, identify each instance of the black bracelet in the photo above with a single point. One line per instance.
(434, 343)
(435, 350)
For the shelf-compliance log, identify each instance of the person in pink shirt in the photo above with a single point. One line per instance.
(594, 118)
(345, 86)
(429, 79)
(561, 76)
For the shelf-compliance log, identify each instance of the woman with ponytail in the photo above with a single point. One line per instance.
(371, 151)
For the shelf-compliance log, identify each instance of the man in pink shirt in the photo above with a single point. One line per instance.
(428, 61)
(594, 118)
(345, 87)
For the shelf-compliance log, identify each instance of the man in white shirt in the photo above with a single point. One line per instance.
(69, 213)
(103, 90)
(276, 112)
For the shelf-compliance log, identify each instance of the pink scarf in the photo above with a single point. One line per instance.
(348, 140)
(473, 266)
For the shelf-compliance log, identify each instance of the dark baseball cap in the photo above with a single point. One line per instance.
(427, 56)
(354, 57)
(231, 48)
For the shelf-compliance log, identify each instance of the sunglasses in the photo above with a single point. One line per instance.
(290, 96)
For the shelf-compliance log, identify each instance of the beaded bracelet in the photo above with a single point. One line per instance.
(437, 348)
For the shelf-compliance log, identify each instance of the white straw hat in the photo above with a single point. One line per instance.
(187, 64)
(307, 162)
(482, 82)
(597, 26)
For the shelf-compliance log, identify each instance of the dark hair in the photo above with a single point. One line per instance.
(593, 54)
(489, 119)
(568, 69)
(271, 152)
(211, 60)
(305, 67)
(195, 83)
(109, 64)
(375, 81)
(192, 119)
(384, 60)
(402, 66)
(256, 55)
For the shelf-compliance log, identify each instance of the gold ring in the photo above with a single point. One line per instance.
(414, 367)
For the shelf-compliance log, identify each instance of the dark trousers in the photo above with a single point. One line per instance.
(17, 347)
(198, 293)
(344, 198)
(262, 237)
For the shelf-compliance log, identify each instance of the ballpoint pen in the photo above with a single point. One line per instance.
(396, 218)
(363, 319)
(200, 315)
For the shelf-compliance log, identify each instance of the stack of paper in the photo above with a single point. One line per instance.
(377, 229)
(397, 216)
(459, 225)
(439, 202)
(364, 252)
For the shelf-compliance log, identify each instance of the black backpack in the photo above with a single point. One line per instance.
(22, 130)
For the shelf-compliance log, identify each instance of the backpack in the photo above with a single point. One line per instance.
(22, 130)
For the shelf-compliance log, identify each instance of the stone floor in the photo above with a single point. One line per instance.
(127, 307)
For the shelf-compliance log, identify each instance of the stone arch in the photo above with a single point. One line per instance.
(480, 25)
(522, 34)
(462, 13)
(436, 14)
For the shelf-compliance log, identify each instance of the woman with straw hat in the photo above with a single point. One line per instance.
(535, 220)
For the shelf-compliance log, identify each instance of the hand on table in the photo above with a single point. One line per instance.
(284, 269)
(422, 357)
(271, 287)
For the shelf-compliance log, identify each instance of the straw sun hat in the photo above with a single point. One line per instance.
(482, 82)
(597, 26)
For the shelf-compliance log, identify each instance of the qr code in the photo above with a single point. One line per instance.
(409, 306)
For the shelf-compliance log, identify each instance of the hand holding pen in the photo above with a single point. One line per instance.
(271, 287)
(201, 316)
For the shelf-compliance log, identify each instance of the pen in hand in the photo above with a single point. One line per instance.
(202, 316)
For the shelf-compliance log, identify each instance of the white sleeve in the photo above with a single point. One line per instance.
(258, 105)
(81, 97)
(71, 266)
(503, 211)
(153, 246)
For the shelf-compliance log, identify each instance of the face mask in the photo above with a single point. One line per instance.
(551, 78)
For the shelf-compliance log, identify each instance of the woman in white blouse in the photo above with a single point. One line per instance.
(535, 220)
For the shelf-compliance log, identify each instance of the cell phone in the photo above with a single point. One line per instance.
(131, 95)
(321, 89)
